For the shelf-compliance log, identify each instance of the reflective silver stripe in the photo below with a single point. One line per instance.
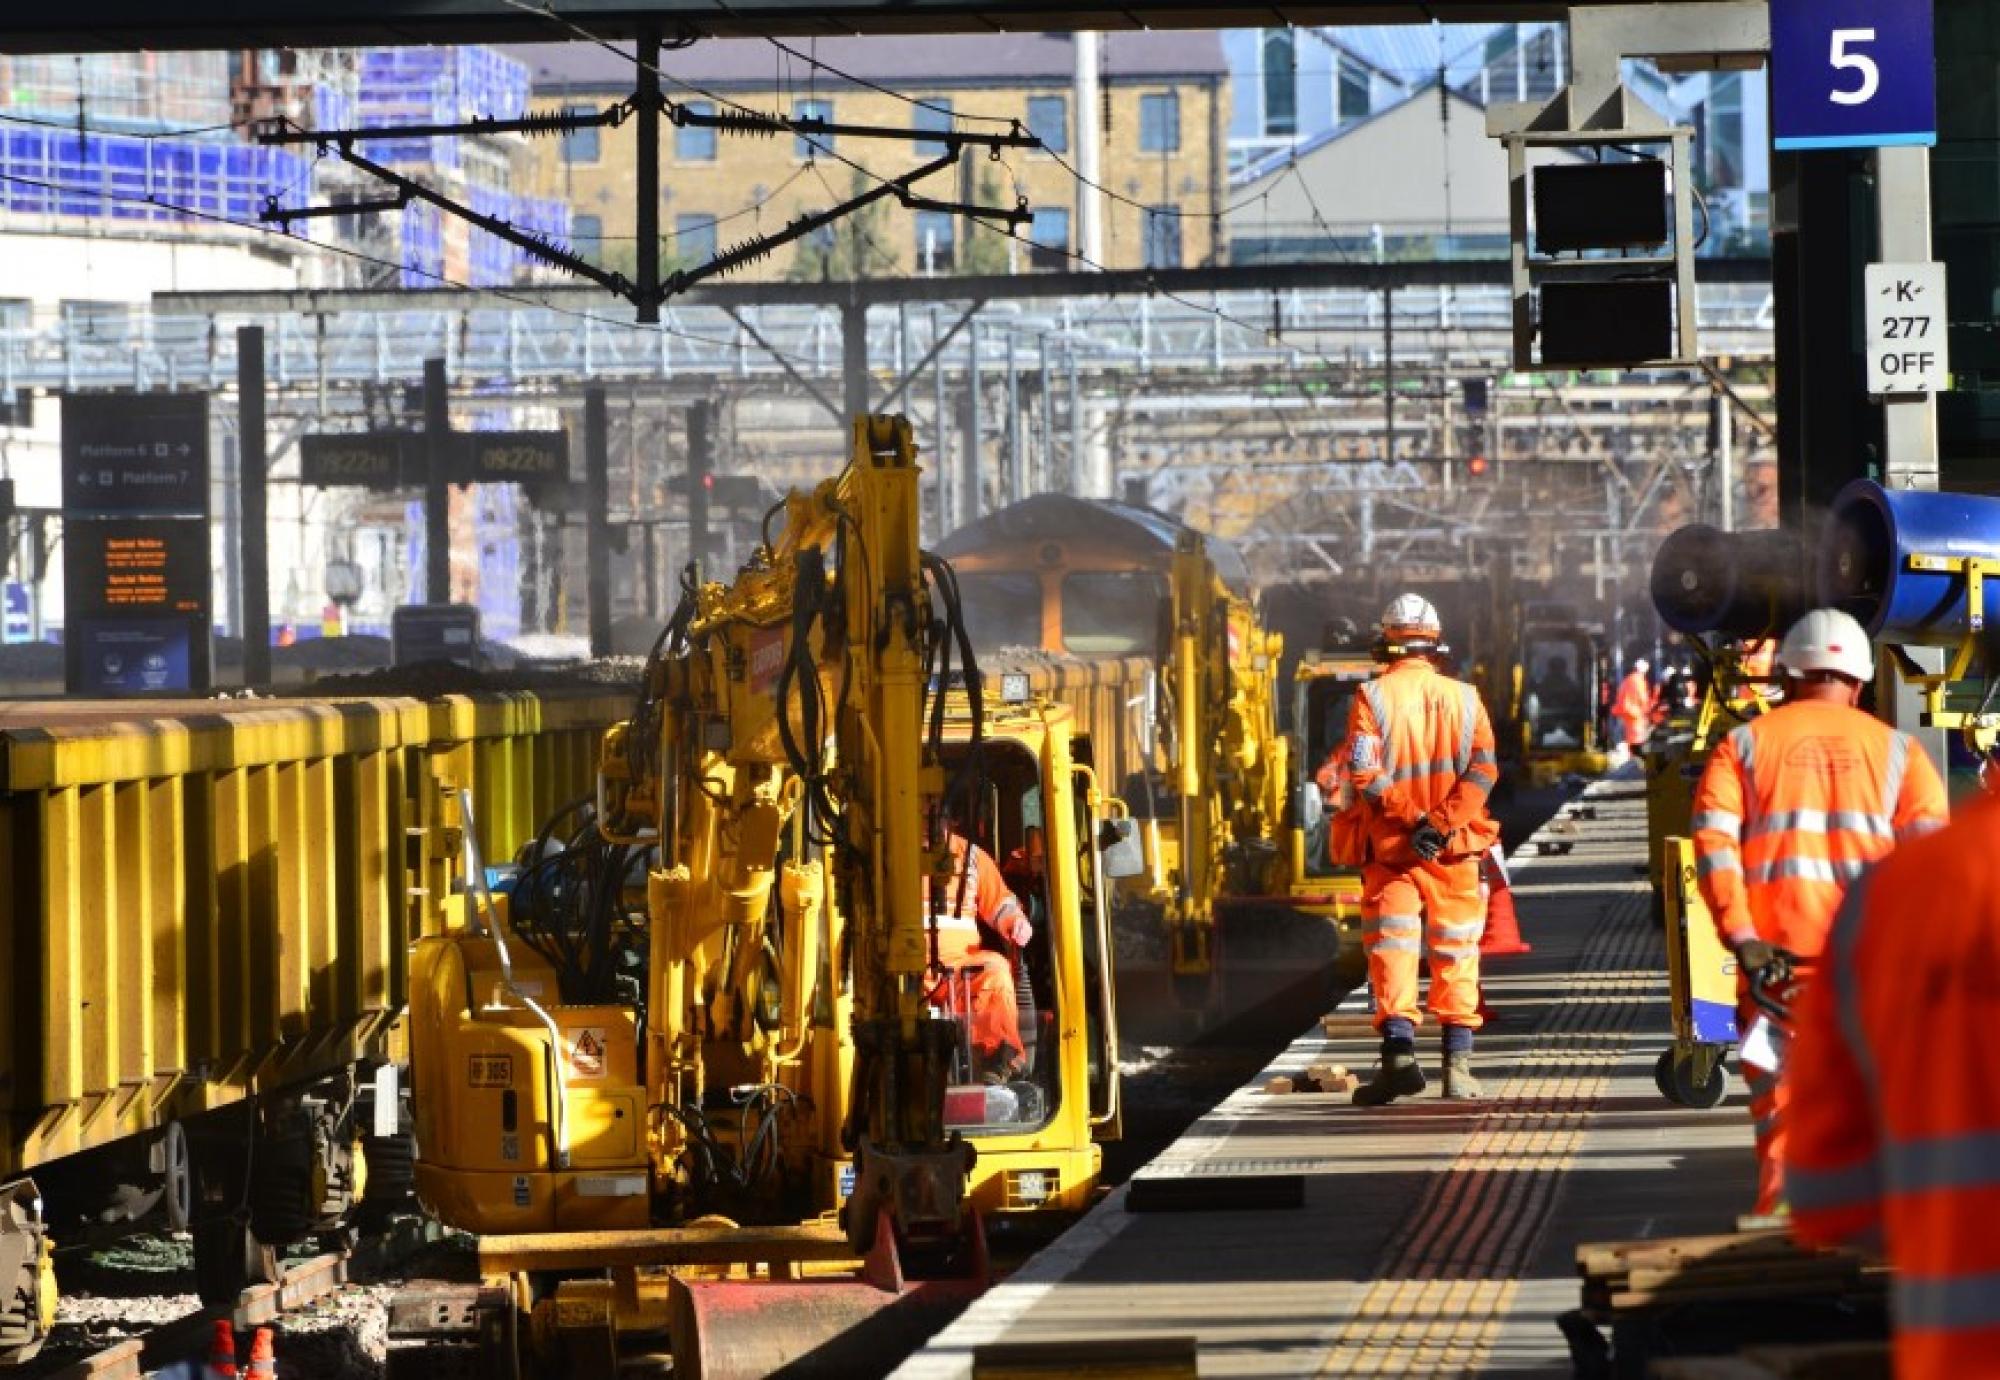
(1843, 945)
(1918, 827)
(1396, 924)
(1377, 787)
(1468, 711)
(1372, 692)
(1718, 860)
(1721, 821)
(1397, 945)
(1435, 766)
(1823, 822)
(1483, 758)
(1458, 934)
(1831, 871)
(1745, 743)
(1899, 764)
(1469, 949)
(1830, 1190)
(1760, 1082)
(1947, 1162)
(1947, 1305)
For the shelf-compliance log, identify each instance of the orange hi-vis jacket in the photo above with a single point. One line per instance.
(1795, 805)
(1637, 699)
(1895, 1135)
(1420, 744)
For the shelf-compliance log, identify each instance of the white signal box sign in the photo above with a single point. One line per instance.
(1906, 329)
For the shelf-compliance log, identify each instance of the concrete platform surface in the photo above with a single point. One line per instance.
(1433, 1239)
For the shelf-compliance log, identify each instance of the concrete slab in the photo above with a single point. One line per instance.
(1434, 1239)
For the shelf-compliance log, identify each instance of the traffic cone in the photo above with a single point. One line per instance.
(262, 1361)
(221, 1352)
(1502, 934)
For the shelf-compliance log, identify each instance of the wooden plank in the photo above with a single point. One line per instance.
(598, 1250)
(1118, 1358)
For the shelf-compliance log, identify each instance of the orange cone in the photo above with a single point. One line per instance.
(221, 1352)
(262, 1361)
(1503, 928)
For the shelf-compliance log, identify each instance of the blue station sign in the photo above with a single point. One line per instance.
(1852, 74)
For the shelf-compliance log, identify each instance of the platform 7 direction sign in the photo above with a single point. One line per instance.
(1906, 328)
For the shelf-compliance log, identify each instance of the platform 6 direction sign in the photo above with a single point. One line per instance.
(1852, 74)
(1906, 328)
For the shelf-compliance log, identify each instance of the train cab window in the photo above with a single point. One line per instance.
(1111, 612)
(1003, 608)
(1556, 699)
(1005, 1073)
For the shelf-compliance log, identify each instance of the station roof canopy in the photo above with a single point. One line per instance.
(130, 25)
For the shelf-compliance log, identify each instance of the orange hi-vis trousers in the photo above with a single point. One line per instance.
(1406, 913)
(1770, 1096)
(994, 1017)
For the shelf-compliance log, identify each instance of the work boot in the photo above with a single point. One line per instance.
(1459, 1084)
(1398, 1076)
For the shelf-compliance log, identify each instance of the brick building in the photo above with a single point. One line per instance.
(1164, 121)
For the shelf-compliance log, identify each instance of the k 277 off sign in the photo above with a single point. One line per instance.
(1906, 329)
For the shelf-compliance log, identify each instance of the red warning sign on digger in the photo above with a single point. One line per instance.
(586, 1051)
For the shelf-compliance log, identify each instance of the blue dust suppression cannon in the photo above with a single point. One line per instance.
(1901, 560)
(1730, 584)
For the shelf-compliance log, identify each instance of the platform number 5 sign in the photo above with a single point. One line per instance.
(1852, 73)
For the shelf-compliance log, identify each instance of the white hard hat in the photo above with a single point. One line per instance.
(1828, 640)
(1640, 663)
(1411, 615)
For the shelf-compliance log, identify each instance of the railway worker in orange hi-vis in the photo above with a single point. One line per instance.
(975, 894)
(1894, 1144)
(1792, 808)
(1637, 704)
(1420, 759)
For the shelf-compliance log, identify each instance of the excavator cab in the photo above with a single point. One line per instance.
(1034, 811)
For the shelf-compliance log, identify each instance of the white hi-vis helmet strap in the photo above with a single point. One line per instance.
(1828, 640)
(1411, 615)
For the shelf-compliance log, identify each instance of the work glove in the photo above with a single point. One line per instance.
(1428, 840)
(1754, 955)
(1020, 931)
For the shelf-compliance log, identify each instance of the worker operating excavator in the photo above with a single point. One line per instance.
(1792, 808)
(979, 980)
(1421, 762)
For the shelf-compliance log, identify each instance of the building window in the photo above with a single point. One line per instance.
(1354, 96)
(1281, 83)
(1048, 238)
(935, 230)
(694, 239)
(802, 147)
(1160, 122)
(1163, 237)
(1048, 121)
(580, 145)
(933, 116)
(587, 233)
(695, 143)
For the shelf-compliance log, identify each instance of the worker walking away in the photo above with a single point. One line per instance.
(976, 894)
(1792, 807)
(1421, 763)
(1635, 707)
(1895, 1138)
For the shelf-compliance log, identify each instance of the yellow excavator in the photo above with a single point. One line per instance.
(689, 1069)
(1225, 765)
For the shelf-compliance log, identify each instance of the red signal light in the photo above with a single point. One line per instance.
(1476, 466)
